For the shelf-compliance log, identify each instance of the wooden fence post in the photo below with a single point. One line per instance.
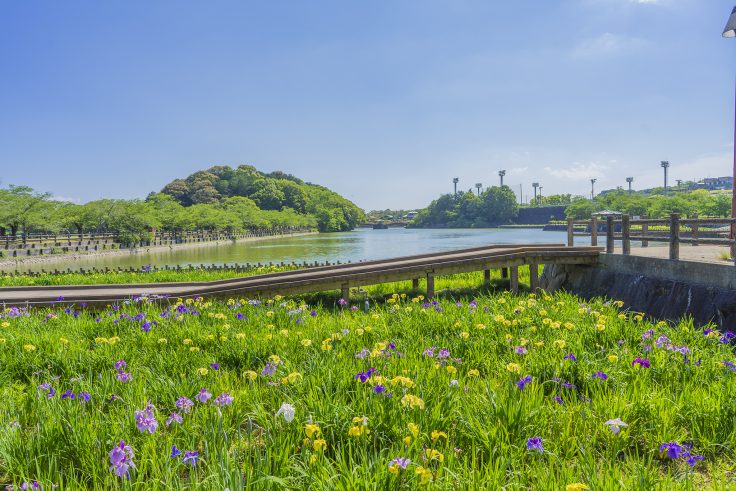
(486, 276)
(675, 236)
(594, 231)
(514, 281)
(694, 230)
(415, 284)
(345, 294)
(609, 235)
(430, 285)
(644, 232)
(625, 235)
(570, 232)
(534, 277)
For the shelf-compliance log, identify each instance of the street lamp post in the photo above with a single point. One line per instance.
(665, 165)
(729, 32)
(535, 185)
(629, 180)
(455, 180)
(478, 185)
(592, 188)
(501, 173)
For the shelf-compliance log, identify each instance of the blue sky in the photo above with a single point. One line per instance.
(383, 101)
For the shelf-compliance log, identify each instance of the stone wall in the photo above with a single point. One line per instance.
(537, 215)
(660, 288)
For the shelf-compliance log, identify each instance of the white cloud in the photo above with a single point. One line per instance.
(607, 44)
(578, 171)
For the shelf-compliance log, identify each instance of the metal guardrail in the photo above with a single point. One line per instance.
(673, 234)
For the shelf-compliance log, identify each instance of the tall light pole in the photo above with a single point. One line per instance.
(455, 180)
(501, 173)
(629, 180)
(535, 185)
(478, 185)
(729, 32)
(665, 165)
(540, 195)
(592, 188)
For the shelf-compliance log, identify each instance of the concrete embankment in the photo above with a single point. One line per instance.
(660, 288)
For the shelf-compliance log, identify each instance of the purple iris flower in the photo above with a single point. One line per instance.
(523, 381)
(191, 457)
(68, 395)
(363, 353)
(558, 400)
(121, 458)
(224, 399)
(691, 459)
(520, 350)
(203, 396)
(642, 362)
(268, 370)
(378, 389)
(184, 403)
(364, 376)
(240, 316)
(535, 443)
(175, 452)
(145, 420)
(401, 462)
(173, 418)
(600, 375)
(84, 397)
(570, 357)
(123, 376)
(673, 450)
(120, 364)
(215, 366)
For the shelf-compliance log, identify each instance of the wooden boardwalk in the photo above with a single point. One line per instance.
(337, 277)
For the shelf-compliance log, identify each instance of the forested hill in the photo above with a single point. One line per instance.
(248, 187)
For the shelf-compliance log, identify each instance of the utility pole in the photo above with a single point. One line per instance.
(592, 189)
(535, 185)
(455, 180)
(629, 180)
(501, 173)
(478, 185)
(665, 165)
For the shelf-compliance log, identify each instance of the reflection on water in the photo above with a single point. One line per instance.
(363, 244)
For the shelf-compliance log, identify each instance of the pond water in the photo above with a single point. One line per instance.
(361, 244)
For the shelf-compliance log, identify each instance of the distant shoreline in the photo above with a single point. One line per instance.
(52, 258)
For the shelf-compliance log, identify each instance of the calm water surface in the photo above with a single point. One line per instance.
(361, 244)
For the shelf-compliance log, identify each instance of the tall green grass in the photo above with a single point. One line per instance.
(469, 400)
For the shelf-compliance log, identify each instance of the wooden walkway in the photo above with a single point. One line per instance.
(342, 277)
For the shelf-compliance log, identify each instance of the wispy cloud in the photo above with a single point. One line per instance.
(518, 170)
(578, 171)
(608, 44)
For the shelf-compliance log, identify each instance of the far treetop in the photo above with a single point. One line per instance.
(273, 191)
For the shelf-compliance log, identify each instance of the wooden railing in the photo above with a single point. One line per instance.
(676, 230)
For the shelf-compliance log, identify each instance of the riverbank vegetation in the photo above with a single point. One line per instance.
(494, 206)
(477, 390)
(220, 199)
(654, 205)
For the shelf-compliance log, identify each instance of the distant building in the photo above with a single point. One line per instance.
(410, 215)
(714, 183)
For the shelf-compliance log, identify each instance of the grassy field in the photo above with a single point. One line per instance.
(480, 390)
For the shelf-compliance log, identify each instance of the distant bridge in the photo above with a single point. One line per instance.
(508, 258)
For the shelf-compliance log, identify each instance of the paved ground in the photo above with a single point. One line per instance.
(701, 253)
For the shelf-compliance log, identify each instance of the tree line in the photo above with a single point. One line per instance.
(495, 206)
(701, 202)
(203, 201)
